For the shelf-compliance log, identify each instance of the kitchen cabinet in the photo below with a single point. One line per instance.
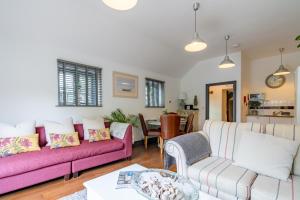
(281, 120)
(270, 119)
(258, 119)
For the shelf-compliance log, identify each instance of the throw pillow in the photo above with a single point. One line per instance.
(99, 134)
(64, 140)
(15, 145)
(118, 130)
(266, 154)
(92, 124)
(62, 127)
(21, 129)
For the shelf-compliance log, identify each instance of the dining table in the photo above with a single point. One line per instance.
(155, 123)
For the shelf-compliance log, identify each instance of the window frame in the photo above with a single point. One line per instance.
(99, 91)
(163, 93)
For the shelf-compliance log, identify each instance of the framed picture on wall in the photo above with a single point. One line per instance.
(125, 85)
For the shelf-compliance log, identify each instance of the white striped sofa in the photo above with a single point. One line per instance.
(217, 176)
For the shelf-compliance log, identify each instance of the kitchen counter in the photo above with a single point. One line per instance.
(285, 116)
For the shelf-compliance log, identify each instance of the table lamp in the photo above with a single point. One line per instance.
(182, 97)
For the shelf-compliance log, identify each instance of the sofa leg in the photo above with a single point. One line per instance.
(75, 175)
(67, 177)
(129, 158)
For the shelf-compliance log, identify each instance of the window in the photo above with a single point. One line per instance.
(155, 93)
(79, 85)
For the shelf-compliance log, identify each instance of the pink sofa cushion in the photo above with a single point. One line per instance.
(25, 162)
(42, 135)
(79, 129)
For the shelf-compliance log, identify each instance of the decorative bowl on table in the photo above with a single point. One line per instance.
(157, 184)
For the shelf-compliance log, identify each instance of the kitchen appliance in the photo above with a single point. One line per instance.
(257, 97)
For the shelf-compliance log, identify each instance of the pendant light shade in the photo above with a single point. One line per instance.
(227, 62)
(197, 44)
(120, 4)
(281, 70)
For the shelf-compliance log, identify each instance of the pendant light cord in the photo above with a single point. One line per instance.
(226, 47)
(281, 57)
(195, 21)
(227, 37)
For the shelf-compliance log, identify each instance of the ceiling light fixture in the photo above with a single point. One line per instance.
(120, 4)
(227, 62)
(281, 70)
(197, 44)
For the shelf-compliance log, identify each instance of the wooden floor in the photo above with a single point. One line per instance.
(58, 188)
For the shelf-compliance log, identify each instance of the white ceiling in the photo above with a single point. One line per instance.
(153, 34)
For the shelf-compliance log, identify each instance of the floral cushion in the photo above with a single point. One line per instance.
(64, 140)
(99, 134)
(15, 145)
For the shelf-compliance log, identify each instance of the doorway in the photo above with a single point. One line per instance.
(221, 101)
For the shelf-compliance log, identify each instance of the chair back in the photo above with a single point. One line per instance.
(189, 124)
(143, 124)
(170, 125)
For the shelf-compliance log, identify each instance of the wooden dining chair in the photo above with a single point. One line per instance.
(189, 123)
(148, 132)
(170, 128)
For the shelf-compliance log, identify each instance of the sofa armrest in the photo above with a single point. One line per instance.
(127, 141)
(174, 149)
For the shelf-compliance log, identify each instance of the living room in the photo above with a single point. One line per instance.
(70, 64)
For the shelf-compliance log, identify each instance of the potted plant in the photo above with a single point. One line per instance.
(298, 39)
(119, 116)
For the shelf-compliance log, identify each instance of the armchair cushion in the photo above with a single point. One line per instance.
(266, 154)
(269, 188)
(288, 131)
(220, 174)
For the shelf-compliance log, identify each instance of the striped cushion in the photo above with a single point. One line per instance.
(268, 188)
(220, 174)
(214, 192)
(224, 136)
(287, 131)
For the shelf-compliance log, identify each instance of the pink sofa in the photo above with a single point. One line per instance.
(26, 169)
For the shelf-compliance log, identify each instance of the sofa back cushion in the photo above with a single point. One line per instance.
(78, 128)
(287, 131)
(266, 154)
(18, 130)
(223, 137)
(42, 135)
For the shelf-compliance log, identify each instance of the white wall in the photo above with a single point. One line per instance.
(244, 86)
(297, 84)
(194, 81)
(259, 69)
(28, 83)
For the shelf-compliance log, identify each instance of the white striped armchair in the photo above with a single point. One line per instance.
(217, 176)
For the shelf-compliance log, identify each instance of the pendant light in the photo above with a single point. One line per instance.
(227, 62)
(197, 44)
(120, 4)
(281, 70)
